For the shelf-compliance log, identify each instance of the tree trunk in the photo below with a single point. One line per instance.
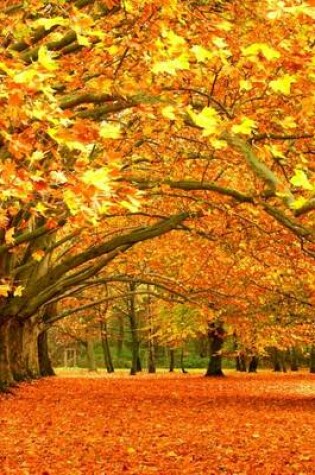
(135, 345)
(106, 349)
(18, 351)
(90, 355)
(253, 364)
(6, 376)
(172, 360)
(240, 363)
(240, 359)
(276, 361)
(151, 357)
(294, 360)
(23, 349)
(216, 335)
(184, 371)
(45, 366)
(121, 333)
(312, 359)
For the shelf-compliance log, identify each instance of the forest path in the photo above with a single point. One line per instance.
(164, 424)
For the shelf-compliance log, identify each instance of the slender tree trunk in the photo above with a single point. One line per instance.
(135, 344)
(216, 335)
(6, 376)
(106, 348)
(276, 359)
(45, 366)
(184, 371)
(151, 348)
(151, 356)
(90, 355)
(312, 359)
(121, 333)
(294, 360)
(253, 364)
(240, 363)
(172, 360)
(240, 360)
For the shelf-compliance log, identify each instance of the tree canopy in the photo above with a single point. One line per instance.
(126, 120)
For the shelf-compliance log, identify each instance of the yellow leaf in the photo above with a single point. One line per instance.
(245, 85)
(109, 130)
(41, 208)
(38, 255)
(202, 54)
(224, 25)
(298, 203)
(267, 51)
(112, 50)
(4, 290)
(176, 42)
(98, 178)
(300, 180)
(72, 202)
(276, 152)
(218, 144)
(58, 177)
(9, 239)
(207, 119)
(37, 155)
(168, 112)
(25, 77)
(132, 204)
(283, 84)
(245, 127)
(45, 59)
(83, 40)
(219, 42)
(18, 291)
(172, 65)
(4, 67)
(49, 23)
(288, 122)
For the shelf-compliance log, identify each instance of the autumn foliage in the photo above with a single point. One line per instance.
(161, 425)
(187, 122)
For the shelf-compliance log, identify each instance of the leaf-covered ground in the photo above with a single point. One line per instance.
(166, 425)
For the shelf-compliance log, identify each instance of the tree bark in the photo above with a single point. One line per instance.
(6, 376)
(106, 348)
(312, 359)
(23, 349)
(253, 364)
(216, 335)
(121, 332)
(294, 359)
(45, 366)
(184, 371)
(151, 357)
(90, 355)
(135, 344)
(18, 351)
(172, 360)
(240, 363)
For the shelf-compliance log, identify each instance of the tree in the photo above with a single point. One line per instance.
(108, 146)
